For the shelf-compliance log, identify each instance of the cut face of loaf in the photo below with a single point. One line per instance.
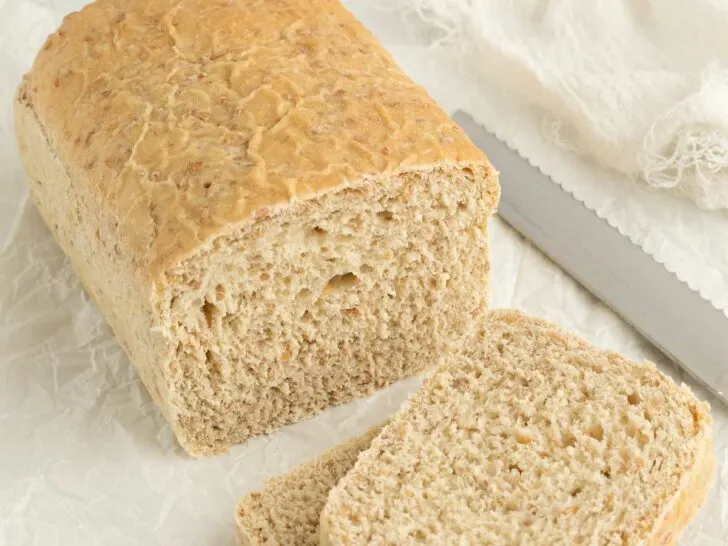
(533, 438)
(271, 216)
(326, 302)
(287, 510)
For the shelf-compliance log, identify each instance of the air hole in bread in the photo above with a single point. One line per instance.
(341, 282)
(568, 440)
(208, 310)
(634, 399)
(303, 294)
(319, 231)
(462, 206)
(366, 269)
(385, 215)
(213, 364)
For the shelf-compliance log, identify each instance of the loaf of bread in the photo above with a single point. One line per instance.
(271, 216)
(533, 438)
(287, 510)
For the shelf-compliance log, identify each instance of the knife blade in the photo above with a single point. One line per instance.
(676, 319)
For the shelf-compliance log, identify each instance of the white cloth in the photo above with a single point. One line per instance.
(639, 85)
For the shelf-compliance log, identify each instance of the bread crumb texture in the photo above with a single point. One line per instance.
(272, 217)
(286, 511)
(533, 438)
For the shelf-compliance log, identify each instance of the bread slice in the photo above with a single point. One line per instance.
(534, 438)
(270, 214)
(287, 510)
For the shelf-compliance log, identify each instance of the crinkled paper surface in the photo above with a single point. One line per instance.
(86, 458)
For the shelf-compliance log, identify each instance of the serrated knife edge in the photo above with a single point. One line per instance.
(545, 172)
(670, 313)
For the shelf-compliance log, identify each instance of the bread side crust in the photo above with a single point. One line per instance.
(689, 499)
(84, 231)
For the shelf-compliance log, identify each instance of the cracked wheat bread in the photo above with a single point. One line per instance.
(534, 438)
(287, 510)
(271, 216)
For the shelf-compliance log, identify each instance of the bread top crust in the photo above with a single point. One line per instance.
(186, 117)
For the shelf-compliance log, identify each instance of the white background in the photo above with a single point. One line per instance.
(86, 458)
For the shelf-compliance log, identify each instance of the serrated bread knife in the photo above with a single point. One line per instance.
(684, 326)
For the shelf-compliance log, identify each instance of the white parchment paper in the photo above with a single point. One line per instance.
(86, 458)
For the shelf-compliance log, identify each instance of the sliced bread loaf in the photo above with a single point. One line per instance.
(287, 510)
(270, 214)
(534, 438)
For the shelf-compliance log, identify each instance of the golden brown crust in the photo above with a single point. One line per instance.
(185, 117)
